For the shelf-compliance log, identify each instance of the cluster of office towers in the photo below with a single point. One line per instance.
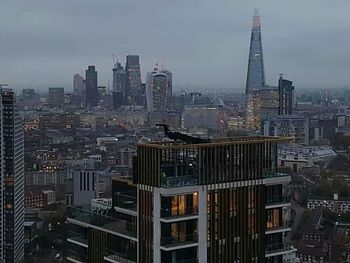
(128, 89)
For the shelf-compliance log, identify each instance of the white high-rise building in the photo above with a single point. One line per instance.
(158, 90)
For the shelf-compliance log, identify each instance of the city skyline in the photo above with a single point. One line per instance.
(53, 42)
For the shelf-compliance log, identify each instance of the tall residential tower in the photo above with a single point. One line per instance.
(11, 180)
(223, 200)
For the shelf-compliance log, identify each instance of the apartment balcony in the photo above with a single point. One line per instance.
(284, 226)
(277, 200)
(74, 256)
(276, 177)
(179, 181)
(193, 260)
(179, 240)
(117, 257)
(77, 239)
(102, 221)
(171, 214)
(275, 174)
(276, 249)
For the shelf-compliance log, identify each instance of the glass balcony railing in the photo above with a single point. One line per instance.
(179, 181)
(179, 240)
(76, 256)
(283, 225)
(187, 211)
(77, 237)
(102, 221)
(275, 174)
(277, 247)
(125, 201)
(275, 200)
(120, 257)
(193, 260)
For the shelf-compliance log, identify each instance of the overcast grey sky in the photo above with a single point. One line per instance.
(205, 43)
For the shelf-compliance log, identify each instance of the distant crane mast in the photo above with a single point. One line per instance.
(114, 64)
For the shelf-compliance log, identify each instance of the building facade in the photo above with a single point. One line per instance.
(261, 105)
(157, 91)
(119, 86)
(286, 100)
(78, 85)
(133, 80)
(91, 86)
(11, 180)
(56, 97)
(221, 201)
(295, 126)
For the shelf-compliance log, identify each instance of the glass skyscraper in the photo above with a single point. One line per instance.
(256, 73)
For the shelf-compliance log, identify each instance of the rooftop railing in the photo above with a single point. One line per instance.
(120, 257)
(179, 181)
(125, 201)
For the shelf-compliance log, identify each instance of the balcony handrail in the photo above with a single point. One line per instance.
(103, 221)
(75, 236)
(193, 260)
(270, 200)
(275, 173)
(189, 210)
(189, 238)
(277, 247)
(179, 181)
(284, 224)
(120, 257)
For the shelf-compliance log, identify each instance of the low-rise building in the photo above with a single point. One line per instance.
(335, 204)
(39, 199)
(101, 205)
(297, 156)
(320, 242)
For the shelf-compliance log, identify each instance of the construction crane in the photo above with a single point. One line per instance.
(114, 64)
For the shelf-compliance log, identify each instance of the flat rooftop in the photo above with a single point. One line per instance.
(218, 142)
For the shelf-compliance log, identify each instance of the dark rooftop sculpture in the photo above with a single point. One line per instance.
(178, 136)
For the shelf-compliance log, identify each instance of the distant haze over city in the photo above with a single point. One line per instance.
(204, 43)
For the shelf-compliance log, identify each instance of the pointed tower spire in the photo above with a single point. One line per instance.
(256, 73)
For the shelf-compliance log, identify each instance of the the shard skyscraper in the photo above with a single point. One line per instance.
(256, 74)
